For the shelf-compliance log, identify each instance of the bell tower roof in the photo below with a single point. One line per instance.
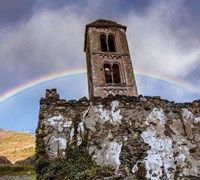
(105, 23)
(101, 23)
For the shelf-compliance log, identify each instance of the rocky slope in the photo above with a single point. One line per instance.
(16, 146)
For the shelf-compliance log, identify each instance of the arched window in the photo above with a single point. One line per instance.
(108, 73)
(111, 43)
(107, 43)
(103, 43)
(116, 73)
(112, 73)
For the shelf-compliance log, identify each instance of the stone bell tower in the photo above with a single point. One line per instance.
(109, 64)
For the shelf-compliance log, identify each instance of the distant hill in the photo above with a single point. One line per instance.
(16, 146)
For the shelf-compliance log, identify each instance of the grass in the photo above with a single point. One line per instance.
(16, 170)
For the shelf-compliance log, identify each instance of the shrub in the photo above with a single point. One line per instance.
(77, 164)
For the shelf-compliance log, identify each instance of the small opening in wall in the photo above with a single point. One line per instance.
(116, 73)
(111, 43)
(103, 43)
(107, 71)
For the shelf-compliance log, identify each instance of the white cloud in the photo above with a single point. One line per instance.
(154, 42)
(51, 41)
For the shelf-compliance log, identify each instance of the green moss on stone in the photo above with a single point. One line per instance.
(77, 164)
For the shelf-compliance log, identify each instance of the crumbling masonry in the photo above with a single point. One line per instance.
(140, 137)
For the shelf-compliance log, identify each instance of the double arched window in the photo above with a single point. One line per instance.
(107, 43)
(112, 73)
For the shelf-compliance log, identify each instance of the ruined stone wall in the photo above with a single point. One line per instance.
(140, 137)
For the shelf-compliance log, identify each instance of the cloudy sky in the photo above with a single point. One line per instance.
(44, 37)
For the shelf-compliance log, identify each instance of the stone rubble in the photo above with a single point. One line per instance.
(140, 137)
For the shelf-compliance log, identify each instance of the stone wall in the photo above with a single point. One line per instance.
(140, 137)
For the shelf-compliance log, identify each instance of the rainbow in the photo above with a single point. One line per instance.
(15, 91)
(177, 83)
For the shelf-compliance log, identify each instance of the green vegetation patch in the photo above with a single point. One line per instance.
(16, 170)
(77, 164)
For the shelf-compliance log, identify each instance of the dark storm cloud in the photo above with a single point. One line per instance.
(138, 5)
(14, 11)
(98, 9)
(57, 4)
